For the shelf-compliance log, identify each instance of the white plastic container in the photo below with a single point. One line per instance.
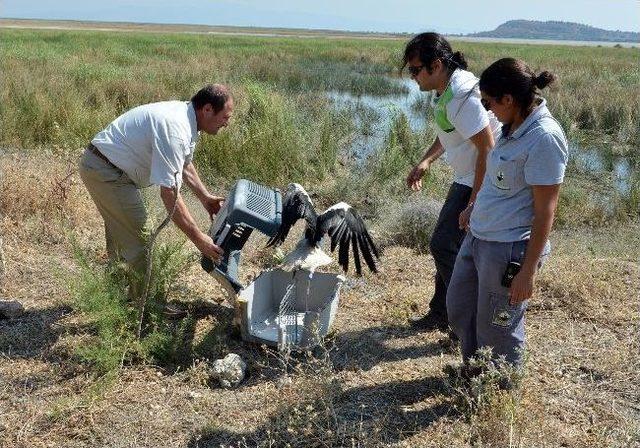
(293, 310)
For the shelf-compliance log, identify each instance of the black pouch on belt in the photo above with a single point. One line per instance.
(512, 269)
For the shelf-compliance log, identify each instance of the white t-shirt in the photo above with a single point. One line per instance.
(152, 142)
(467, 114)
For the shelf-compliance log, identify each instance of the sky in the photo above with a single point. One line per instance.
(444, 16)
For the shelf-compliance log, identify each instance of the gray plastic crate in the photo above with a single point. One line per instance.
(293, 310)
(248, 206)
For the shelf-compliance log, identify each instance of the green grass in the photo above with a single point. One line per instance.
(61, 87)
(277, 139)
(101, 294)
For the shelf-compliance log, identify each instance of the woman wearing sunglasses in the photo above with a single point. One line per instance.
(465, 133)
(512, 216)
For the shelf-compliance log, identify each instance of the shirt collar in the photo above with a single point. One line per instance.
(538, 112)
(191, 113)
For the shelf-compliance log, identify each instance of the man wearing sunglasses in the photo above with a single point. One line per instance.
(465, 134)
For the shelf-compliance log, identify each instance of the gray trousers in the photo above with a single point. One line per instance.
(477, 303)
(445, 244)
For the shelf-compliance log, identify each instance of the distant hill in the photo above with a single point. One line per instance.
(532, 29)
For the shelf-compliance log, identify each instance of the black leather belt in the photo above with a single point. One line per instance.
(97, 152)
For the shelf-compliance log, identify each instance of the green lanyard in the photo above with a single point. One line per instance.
(440, 110)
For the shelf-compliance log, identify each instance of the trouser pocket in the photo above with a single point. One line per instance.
(503, 314)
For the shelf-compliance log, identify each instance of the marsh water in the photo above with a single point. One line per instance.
(374, 114)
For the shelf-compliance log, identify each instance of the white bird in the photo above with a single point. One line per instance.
(341, 222)
(305, 256)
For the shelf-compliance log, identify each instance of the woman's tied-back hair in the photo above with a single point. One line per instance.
(514, 77)
(431, 46)
(214, 94)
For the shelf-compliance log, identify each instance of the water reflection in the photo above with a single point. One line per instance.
(598, 162)
(373, 114)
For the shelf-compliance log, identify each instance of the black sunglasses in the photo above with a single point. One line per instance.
(414, 70)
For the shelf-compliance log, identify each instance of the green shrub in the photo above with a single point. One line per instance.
(102, 295)
(273, 141)
(487, 391)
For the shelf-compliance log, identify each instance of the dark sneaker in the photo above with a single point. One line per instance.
(452, 336)
(429, 322)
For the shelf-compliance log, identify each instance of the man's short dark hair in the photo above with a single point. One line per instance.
(215, 94)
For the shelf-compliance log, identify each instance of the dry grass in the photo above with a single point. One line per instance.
(192, 29)
(38, 194)
(380, 383)
(410, 223)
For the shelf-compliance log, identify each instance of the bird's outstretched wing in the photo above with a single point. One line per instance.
(295, 205)
(346, 229)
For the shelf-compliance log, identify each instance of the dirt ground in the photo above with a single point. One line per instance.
(378, 382)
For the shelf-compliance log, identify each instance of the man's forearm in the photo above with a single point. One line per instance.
(433, 153)
(181, 217)
(192, 179)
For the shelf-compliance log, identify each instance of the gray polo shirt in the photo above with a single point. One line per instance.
(535, 154)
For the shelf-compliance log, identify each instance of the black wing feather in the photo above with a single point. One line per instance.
(336, 234)
(367, 241)
(295, 205)
(343, 251)
(347, 231)
(366, 253)
(329, 223)
(372, 245)
(356, 253)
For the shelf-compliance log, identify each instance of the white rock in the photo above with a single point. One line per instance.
(284, 381)
(230, 370)
(10, 309)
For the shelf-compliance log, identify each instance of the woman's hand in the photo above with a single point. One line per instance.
(465, 217)
(521, 286)
(414, 179)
